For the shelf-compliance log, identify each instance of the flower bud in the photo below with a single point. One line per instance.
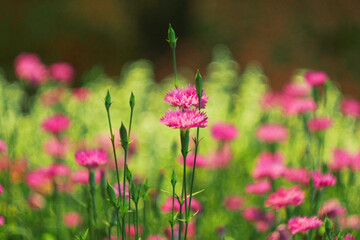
(107, 101)
(173, 178)
(172, 39)
(199, 85)
(123, 137)
(132, 100)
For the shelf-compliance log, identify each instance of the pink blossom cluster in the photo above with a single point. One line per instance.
(284, 197)
(303, 224)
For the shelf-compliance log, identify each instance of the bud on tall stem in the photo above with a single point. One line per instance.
(172, 39)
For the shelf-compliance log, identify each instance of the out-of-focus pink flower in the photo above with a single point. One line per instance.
(281, 233)
(298, 175)
(91, 158)
(347, 237)
(303, 224)
(167, 205)
(73, 219)
(185, 97)
(17, 170)
(269, 165)
(116, 190)
(191, 230)
(224, 131)
(350, 222)
(103, 141)
(156, 237)
(271, 133)
(350, 107)
(81, 94)
(315, 78)
(296, 106)
(284, 197)
(341, 160)
(355, 162)
(57, 148)
(132, 230)
(321, 181)
(263, 220)
(56, 123)
(3, 147)
(234, 202)
(220, 159)
(36, 201)
(82, 176)
(271, 100)
(62, 72)
(260, 187)
(59, 170)
(53, 96)
(179, 119)
(39, 180)
(29, 67)
(296, 89)
(331, 208)
(2, 220)
(319, 124)
(1, 189)
(200, 161)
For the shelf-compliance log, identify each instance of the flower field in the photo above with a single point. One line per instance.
(217, 156)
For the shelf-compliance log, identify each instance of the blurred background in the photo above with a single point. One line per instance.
(281, 35)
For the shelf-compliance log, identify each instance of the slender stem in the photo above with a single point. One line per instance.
(92, 193)
(129, 218)
(172, 214)
(180, 221)
(185, 195)
(144, 220)
(175, 69)
(136, 221)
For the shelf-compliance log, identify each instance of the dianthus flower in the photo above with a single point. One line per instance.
(184, 120)
(271, 133)
(156, 237)
(319, 124)
(331, 208)
(341, 160)
(303, 224)
(72, 219)
(350, 222)
(167, 205)
(281, 233)
(284, 197)
(298, 175)
(56, 123)
(57, 148)
(82, 176)
(271, 100)
(269, 165)
(260, 187)
(224, 131)
(185, 97)
(39, 180)
(81, 94)
(62, 72)
(296, 89)
(91, 158)
(3, 147)
(325, 180)
(296, 106)
(234, 202)
(29, 67)
(36, 201)
(350, 107)
(263, 220)
(347, 237)
(315, 78)
(200, 160)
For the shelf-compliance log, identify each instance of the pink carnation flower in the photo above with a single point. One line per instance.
(220, 159)
(271, 100)
(29, 67)
(57, 148)
(167, 205)
(2, 220)
(200, 161)
(73, 219)
(350, 107)
(185, 97)
(53, 96)
(3, 147)
(1, 189)
(341, 160)
(56, 123)
(156, 237)
(298, 175)
(81, 94)
(132, 230)
(224, 131)
(350, 222)
(331, 208)
(281, 233)
(36, 201)
(82, 176)
(263, 220)
(303, 224)
(315, 78)
(269, 165)
(116, 190)
(260, 188)
(234, 202)
(91, 158)
(299, 106)
(271, 133)
(319, 124)
(39, 180)
(296, 89)
(347, 237)
(62, 72)
(179, 119)
(284, 197)
(59, 170)
(321, 181)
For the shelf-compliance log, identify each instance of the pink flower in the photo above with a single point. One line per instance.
(269, 165)
(167, 205)
(156, 237)
(341, 160)
(350, 107)
(91, 158)
(57, 148)
(59, 170)
(325, 180)
(271, 133)
(82, 176)
(62, 72)
(299, 106)
(296, 89)
(350, 222)
(263, 220)
(200, 160)
(1, 189)
(2, 220)
(81, 94)
(284, 197)
(234, 202)
(319, 124)
(298, 175)
(36, 201)
(132, 230)
(260, 188)
(271, 100)
(331, 208)
(220, 159)
(184, 120)
(39, 180)
(281, 233)
(73, 219)
(191, 230)
(52, 96)
(116, 190)
(56, 123)
(224, 131)
(3, 147)
(185, 97)
(315, 78)
(29, 67)
(303, 224)
(347, 237)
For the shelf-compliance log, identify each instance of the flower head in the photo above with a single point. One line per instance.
(284, 197)
(56, 123)
(315, 78)
(341, 160)
(167, 205)
(224, 131)
(62, 72)
(185, 97)
(72, 219)
(36, 201)
(39, 180)
(2, 220)
(299, 175)
(184, 120)
(269, 165)
(263, 220)
(319, 124)
(200, 161)
(29, 67)
(325, 180)
(81, 94)
(303, 224)
(53, 96)
(281, 233)
(271, 133)
(260, 187)
(350, 107)
(332, 208)
(57, 148)
(296, 106)
(234, 202)
(3, 147)
(82, 176)
(350, 222)
(91, 158)
(296, 89)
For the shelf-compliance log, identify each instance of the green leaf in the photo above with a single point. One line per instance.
(111, 194)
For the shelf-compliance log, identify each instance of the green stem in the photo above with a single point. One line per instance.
(144, 220)
(136, 222)
(92, 193)
(172, 214)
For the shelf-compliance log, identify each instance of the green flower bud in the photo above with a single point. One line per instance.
(111, 194)
(132, 100)
(123, 137)
(172, 39)
(107, 101)
(328, 227)
(128, 174)
(199, 85)
(184, 137)
(173, 178)
(145, 189)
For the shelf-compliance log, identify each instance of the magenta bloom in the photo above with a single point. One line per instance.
(303, 224)
(29, 67)
(2, 220)
(59, 170)
(315, 78)
(325, 180)
(260, 188)
(82, 176)
(234, 202)
(81, 94)
(56, 123)
(347, 237)
(62, 72)
(72, 219)
(221, 158)
(331, 208)
(341, 160)
(1, 189)
(179, 119)
(271, 100)
(185, 97)
(224, 131)
(350, 107)
(269, 165)
(39, 180)
(350, 222)
(91, 158)
(284, 197)
(298, 175)
(156, 237)
(263, 220)
(200, 161)
(271, 133)
(319, 124)
(296, 89)
(296, 106)
(3, 147)
(57, 148)
(36, 201)
(281, 233)
(167, 205)
(116, 190)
